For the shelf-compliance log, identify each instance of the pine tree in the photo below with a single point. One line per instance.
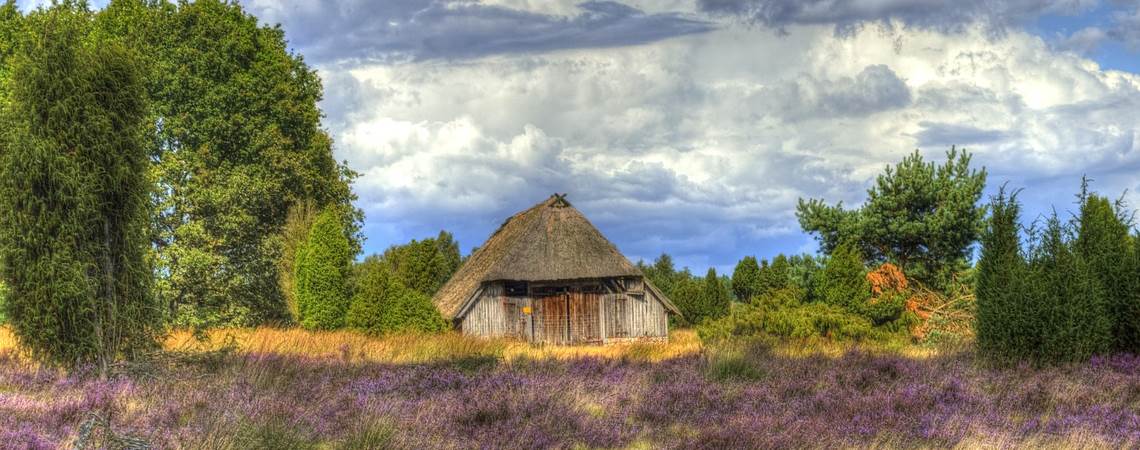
(322, 273)
(74, 191)
(745, 278)
(1103, 242)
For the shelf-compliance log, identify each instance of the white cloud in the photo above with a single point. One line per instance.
(701, 145)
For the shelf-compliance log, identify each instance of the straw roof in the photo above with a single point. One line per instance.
(551, 241)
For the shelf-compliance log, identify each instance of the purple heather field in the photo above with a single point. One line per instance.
(754, 399)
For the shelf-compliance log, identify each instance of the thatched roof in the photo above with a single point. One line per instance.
(551, 241)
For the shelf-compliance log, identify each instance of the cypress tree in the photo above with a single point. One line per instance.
(322, 273)
(1103, 242)
(745, 278)
(75, 193)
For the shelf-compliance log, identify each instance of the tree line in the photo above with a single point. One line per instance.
(162, 164)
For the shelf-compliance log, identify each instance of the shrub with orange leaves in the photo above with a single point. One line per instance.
(888, 278)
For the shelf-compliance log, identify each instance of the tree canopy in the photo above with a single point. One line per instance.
(920, 216)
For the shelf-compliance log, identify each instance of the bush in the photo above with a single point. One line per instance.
(745, 278)
(382, 304)
(322, 273)
(783, 313)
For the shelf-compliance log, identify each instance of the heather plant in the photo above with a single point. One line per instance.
(74, 192)
(322, 267)
(1103, 242)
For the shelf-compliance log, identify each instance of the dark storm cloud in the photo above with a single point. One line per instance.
(848, 15)
(443, 29)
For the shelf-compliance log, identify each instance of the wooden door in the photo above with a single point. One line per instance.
(585, 317)
(554, 314)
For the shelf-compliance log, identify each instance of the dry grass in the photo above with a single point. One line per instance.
(420, 348)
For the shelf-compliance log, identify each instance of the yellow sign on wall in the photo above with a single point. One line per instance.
(526, 310)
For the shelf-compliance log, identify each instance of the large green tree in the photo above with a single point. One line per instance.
(921, 216)
(74, 192)
(236, 143)
(1074, 308)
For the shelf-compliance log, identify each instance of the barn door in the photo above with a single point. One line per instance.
(585, 317)
(555, 314)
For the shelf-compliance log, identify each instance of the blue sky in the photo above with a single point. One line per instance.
(693, 126)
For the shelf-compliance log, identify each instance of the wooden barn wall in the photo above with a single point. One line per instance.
(487, 317)
(593, 317)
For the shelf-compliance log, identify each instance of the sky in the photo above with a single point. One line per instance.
(693, 126)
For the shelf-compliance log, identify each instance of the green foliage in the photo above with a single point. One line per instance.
(382, 304)
(745, 278)
(786, 313)
(322, 273)
(1052, 305)
(3, 294)
(843, 280)
(426, 265)
(293, 237)
(775, 276)
(1073, 308)
(74, 192)
(237, 144)
(922, 217)
(1104, 243)
(663, 274)
(1005, 325)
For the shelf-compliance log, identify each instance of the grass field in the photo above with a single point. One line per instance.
(269, 388)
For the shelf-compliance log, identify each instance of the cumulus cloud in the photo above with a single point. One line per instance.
(701, 145)
(402, 30)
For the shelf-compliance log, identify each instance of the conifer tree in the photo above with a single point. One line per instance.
(381, 304)
(322, 273)
(74, 191)
(716, 296)
(1103, 242)
(843, 280)
(1006, 324)
(1074, 309)
(775, 276)
(745, 278)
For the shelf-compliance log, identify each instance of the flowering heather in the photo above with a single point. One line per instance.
(745, 397)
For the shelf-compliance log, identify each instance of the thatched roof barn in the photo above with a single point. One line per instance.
(548, 275)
